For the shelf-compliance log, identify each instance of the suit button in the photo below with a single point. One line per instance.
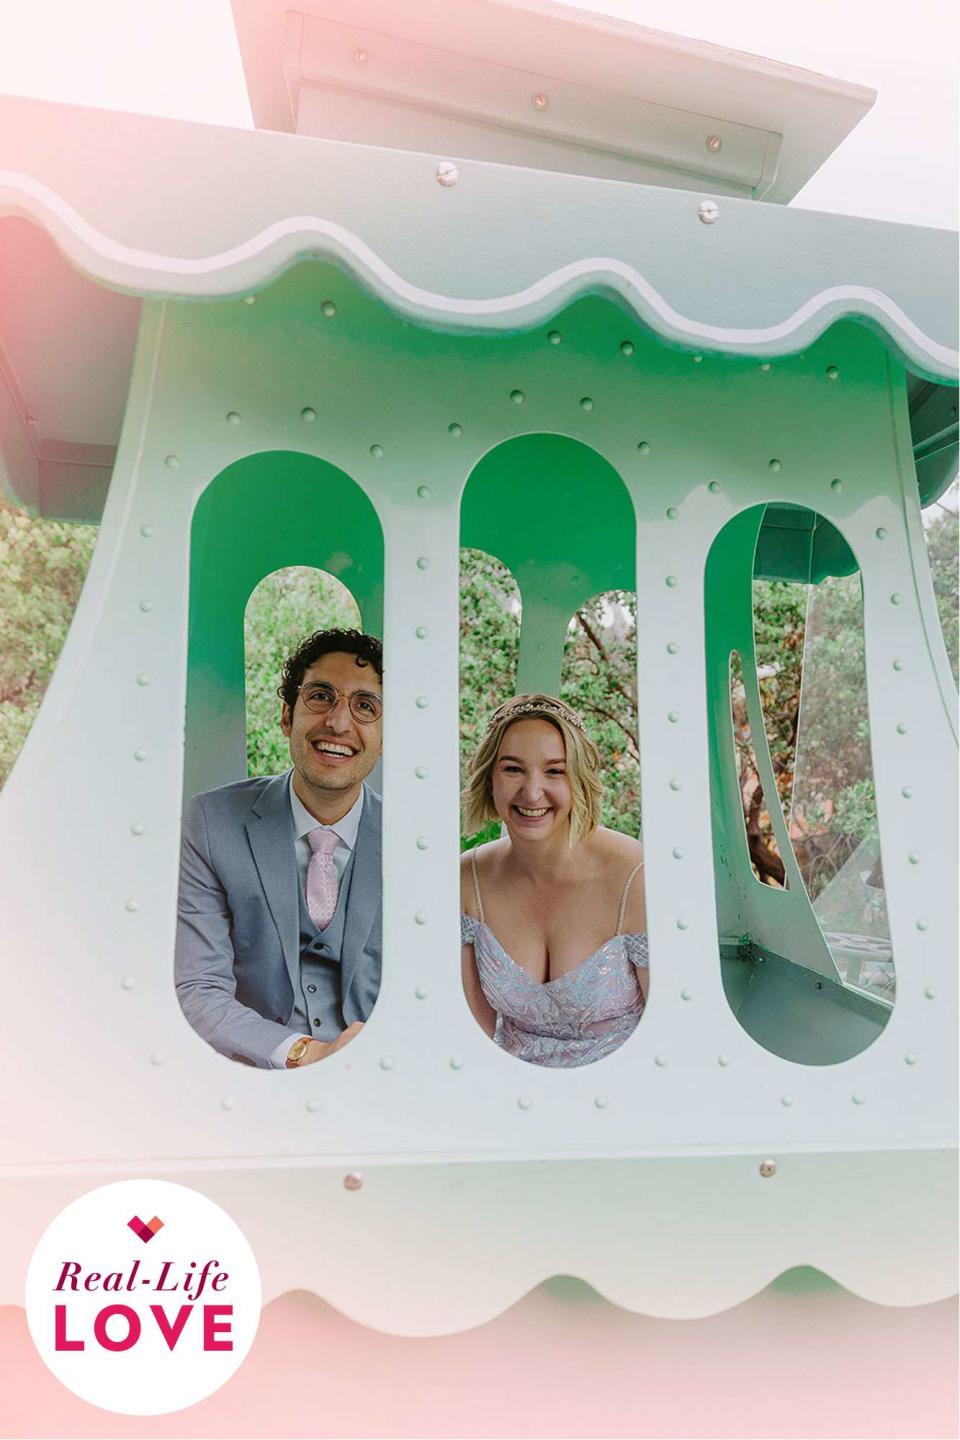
(317, 1024)
(312, 989)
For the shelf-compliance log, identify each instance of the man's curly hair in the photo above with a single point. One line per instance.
(367, 648)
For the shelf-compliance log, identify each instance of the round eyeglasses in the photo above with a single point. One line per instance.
(321, 698)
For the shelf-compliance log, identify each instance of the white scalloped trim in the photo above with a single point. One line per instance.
(250, 265)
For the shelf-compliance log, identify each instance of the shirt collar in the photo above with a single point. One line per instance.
(304, 822)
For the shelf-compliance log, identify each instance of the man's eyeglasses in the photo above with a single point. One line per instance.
(320, 699)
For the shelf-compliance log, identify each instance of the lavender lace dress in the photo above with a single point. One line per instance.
(573, 1020)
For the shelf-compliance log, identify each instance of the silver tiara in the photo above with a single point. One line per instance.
(539, 707)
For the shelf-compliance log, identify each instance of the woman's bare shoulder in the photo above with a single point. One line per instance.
(483, 855)
(623, 850)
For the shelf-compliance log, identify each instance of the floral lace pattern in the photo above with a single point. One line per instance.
(573, 1020)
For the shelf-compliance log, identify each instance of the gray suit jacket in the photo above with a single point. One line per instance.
(238, 930)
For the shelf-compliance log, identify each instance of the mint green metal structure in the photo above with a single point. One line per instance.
(373, 359)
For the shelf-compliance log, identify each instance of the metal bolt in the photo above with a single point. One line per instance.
(146, 531)
(601, 1102)
(353, 1180)
(172, 462)
(660, 1061)
(387, 1062)
(422, 702)
(308, 413)
(420, 918)
(708, 211)
(540, 100)
(233, 417)
(424, 492)
(421, 632)
(376, 451)
(447, 173)
(786, 1100)
(714, 143)
(228, 1103)
(524, 1102)
(768, 1168)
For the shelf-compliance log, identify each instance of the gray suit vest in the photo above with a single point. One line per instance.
(316, 1009)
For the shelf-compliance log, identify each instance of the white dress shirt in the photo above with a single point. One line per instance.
(303, 823)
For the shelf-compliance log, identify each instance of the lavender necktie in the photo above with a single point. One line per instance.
(322, 884)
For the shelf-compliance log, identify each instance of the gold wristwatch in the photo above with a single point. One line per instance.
(297, 1051)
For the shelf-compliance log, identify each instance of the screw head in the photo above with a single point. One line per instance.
(708, 212)
(768, 1168)
(376, 451)
(524, 1102)
(644, 447)
(555, 337)
(233, 417)
(539, 100)
(308, 414)
(172, 462)
(353, 1180)
(387, 1062)
(660, 1061)
(601, 1102)
(714, 487)
(713, 143)
(833, 373)
(447, 173)
(627, 347)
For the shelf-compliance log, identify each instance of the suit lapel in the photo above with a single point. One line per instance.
(270, 831)
(365, 890)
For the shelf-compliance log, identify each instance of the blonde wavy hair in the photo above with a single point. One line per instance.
(583, 764)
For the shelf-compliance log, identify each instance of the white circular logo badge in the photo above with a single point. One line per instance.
(143, 1297)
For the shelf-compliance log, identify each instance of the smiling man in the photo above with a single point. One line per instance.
(278, 928)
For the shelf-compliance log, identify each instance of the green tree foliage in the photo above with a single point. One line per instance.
(283, 609)
(43, 565)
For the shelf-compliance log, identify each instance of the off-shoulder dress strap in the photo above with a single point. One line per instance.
(623, 897)
(476, 885)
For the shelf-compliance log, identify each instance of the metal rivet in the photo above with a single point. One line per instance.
(376, 451)
(539, 100)
(683, 923)
(158, 1058)
(455, 430)
(456, 1063)
(677, 853)
(360, 56)
(601, 1101)
(910, 1058)
(713, 143)
(424, 492)
(132, 905)
(673, 716)
(776, 465)
(421, 632)
(907, 793)
(858, 1097)
(786, 1101)
(228, 1103)
(898, 665)
(902, 728)
(146, 606)
(422, 702)
(128, 982)
(723, 1061)
(672, 647)
(139, 754)
(420, 918)
(233, 417)
(555, 337)
(421, 772)
(675, 784)
(896, 599)
(672, 512)
(329, 309)
(311, 1106)
(421, 992)
(686, 993)
(697, 359)
(249, 299)
(353, 1180)
(671, 582)
(586, 403)
(659, 1061)
(930, 993)
(708, 211)
(517, 396)
(524, 1102)
(880, 533)
(836, 484)
(832, 372)
(308, 413)
(137, 829)
(644, 447)
(923, 925)
(765, 365)
(914, 858)
(627, 348)
(423, 563)
(714, 487)
(423, 843)
(768, 1168)
(146, 531)
(143, 678)
(172, 462)
(387, 1062)
(447, 173)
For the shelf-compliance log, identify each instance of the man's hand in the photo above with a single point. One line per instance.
(320, 1049)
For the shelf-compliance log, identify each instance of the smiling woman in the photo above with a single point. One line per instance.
(544, 970)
